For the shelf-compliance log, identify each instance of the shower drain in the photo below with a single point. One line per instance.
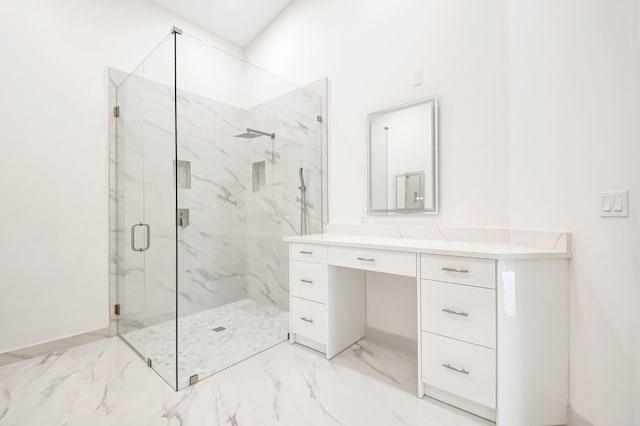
(219, 329)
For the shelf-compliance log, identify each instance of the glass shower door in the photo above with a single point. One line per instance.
(202, 271)
(145, 211)
(243, 137)
(130, 230)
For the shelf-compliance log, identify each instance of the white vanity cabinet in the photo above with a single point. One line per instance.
(308, 294)
(458, 331)
(492, 318)
(327, 292)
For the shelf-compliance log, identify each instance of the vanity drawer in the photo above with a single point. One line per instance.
(459, 311)
(308, 252)
(309, 281)
(460, 270)
(463, 369)
(309, 319)
(391, 262)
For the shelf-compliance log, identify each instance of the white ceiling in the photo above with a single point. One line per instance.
(239, 21)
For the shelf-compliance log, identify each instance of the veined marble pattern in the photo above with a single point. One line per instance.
(250, 328)
(104, 383)
(275, 211)
(232, 248)
(54, 346)
(212, 257)
(142, 192)
(550, 240)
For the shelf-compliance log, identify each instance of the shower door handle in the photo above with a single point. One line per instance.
(147, 239)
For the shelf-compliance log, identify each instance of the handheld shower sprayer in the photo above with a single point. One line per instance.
(301, 187)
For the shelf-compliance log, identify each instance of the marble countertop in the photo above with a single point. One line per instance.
(443, 247)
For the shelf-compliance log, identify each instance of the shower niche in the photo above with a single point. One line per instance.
(214, 197)
(258, 177)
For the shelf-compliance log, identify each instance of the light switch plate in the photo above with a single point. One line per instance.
(614, 204)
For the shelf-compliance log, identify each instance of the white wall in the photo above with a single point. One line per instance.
(53, 166)
(542, 93)
(575, 132)
(370, 50)
(391, 304)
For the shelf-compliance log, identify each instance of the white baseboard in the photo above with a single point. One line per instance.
(574, 419)
(58, 345)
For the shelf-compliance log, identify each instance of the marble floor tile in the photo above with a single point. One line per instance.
(245, 328)
(105, 383)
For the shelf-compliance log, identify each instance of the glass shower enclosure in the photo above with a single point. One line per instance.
(207, 156)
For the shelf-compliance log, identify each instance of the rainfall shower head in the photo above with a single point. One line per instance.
(252, 133)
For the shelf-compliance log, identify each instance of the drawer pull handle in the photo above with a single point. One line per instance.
(462, 271)
(456, 369)
(366, 259)
(305, 319)
(304, 280)
(306, 252)
(451, 311)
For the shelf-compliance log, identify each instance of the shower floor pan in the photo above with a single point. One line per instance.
(211, 340)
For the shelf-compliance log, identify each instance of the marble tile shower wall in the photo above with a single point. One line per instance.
(274, 211)
(212, 248)
(232, 247)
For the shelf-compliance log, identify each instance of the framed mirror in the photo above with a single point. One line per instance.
(403, 159)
